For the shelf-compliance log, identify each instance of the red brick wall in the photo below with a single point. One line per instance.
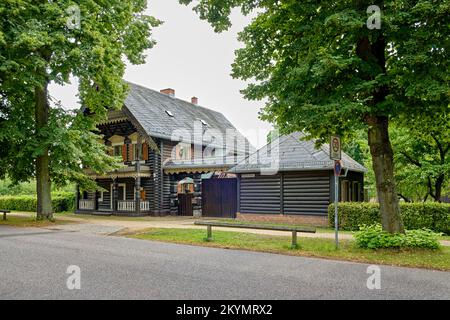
(318, 221)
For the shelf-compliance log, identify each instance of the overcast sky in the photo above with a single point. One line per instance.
(195, 61)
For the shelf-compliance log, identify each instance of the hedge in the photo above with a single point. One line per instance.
(430, 215)
(61, 202)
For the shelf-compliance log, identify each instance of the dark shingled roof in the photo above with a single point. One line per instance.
(294, 154)
(148, 107)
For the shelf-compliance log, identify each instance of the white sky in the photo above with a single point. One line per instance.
(190, 58)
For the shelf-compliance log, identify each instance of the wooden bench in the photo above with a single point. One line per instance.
(294, 230)
(4, 214)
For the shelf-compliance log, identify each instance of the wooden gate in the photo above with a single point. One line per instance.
(185, 207)
(219, 198)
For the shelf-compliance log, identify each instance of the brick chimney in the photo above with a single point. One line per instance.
(169, 92)
(194, 100)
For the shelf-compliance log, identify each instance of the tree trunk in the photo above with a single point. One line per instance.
(43, 183)
(438, 188)
(383, 167)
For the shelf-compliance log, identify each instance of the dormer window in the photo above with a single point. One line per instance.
(169, 113)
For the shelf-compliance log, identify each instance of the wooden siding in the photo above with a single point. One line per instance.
(167, 150)
(285, 193)
(289, 193)
(260, 194)
(306, 193)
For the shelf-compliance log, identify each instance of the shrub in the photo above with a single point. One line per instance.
(61, 202)
(373, 237)
(429, 215)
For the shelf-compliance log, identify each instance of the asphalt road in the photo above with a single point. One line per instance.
(33, 265)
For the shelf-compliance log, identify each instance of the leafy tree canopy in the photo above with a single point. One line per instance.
(45, 41)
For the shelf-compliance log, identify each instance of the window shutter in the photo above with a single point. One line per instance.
(124, 152)
(130, 152)
(145, 151)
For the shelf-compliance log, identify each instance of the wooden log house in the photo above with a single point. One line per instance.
(154, 135)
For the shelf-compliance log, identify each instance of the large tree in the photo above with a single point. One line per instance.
(328, 67)
(45, 41)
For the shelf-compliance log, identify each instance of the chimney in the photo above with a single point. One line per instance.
(169, 91)
(194, 100)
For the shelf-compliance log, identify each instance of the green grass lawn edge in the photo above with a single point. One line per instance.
(309, 247)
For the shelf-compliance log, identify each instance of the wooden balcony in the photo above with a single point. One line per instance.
(125, 171)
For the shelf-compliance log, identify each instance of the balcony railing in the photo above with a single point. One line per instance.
(86, 204)
(130, 206)
(145, 205)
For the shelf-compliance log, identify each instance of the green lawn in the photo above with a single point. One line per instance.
(311, 247)
(275, 224)
(27, 222)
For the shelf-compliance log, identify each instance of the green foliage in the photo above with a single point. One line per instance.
(373, 237)
(7, 188)
(318, 64)
(61, 202)
(38, 47)
(422, 156)
(429, 215)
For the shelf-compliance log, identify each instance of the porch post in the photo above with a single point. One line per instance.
(77, 198)
(115, 194)
(129, 147)
(138, 175)
(96, 200)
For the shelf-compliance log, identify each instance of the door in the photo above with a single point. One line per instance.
(121, 191)
(185, 207)
(219, 198)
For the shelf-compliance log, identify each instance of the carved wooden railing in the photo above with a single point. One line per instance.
(86, 205)
(130, 206)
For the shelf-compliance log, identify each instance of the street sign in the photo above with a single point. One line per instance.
(336, 155)
(335, 148)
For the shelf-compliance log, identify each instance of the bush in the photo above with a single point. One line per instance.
(61, 202)
(429, 215)
(373, 237)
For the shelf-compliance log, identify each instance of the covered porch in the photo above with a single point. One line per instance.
(123, 192)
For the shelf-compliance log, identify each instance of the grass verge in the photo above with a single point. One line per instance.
(27, 221)
(309, 247)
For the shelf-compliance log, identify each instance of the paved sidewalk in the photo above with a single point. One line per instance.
(132, 226)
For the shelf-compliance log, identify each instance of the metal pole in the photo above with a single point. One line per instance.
(336, 201)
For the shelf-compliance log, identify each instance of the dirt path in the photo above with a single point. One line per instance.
(123, 225)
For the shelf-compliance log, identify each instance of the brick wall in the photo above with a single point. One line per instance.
(318, 221)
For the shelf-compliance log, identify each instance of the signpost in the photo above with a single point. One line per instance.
(336, 155)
